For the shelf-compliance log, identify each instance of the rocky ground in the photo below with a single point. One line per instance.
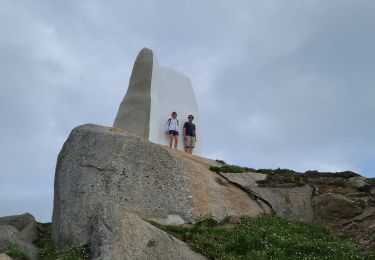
(341, 201)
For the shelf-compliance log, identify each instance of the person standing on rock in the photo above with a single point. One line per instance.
(171, 129)
(190, 135)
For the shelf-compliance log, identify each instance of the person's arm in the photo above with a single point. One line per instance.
(167, 127)
(184, 131)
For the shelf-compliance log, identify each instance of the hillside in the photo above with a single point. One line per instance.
(118, 196)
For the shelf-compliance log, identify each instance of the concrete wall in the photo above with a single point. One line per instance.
(154, 92)
(171, 91)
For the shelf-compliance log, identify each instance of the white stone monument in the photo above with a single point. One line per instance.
(154, 92)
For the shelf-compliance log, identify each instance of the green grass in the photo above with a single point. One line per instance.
(16, 252)
(265, 237)
(371, 181)
(48, 251)
(231, 168)
(239, 169)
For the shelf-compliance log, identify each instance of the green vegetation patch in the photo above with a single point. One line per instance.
(265, 237)
(48, 251)
(231, 168)
(15, 252)
(371, 181)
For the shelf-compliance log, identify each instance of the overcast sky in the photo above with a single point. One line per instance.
(287, 84)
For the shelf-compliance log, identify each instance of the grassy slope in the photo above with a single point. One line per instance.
(266, 237)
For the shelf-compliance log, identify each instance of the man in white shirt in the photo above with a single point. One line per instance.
(171, 129)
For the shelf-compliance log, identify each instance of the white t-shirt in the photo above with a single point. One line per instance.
(172, 124)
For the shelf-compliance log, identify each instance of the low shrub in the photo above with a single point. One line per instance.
(15, 252)
(371, 181)
(231, 168)
(48, 251)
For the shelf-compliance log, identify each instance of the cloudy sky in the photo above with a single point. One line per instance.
(287, 84)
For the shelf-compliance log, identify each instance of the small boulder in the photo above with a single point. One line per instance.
(24, 223)
(4, 257)
(11, 236)
(234, 219)
(359, 183)
(332, 206)
(292, 203)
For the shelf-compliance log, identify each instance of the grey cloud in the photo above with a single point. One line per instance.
(311, 103)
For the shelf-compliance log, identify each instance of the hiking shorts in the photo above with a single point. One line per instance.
(173, 132)
(189, 141)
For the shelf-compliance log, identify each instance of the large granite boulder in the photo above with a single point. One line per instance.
(11, 236)
(24, 223)
(101, 171)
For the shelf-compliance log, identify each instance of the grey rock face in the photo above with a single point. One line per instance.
(130, 237)
(24, 223)
(134, 111)
(5, 257)
(335, 206)
(10, 236)
(245, 179)
(359, 183)
(97, 166)
(102, 171)
(291, 203)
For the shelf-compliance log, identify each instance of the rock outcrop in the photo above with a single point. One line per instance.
(335, 206)
(4, 257)
(292, 203)
(103, 173)
(20, 231)
(24, 223)
(10, 236)
(124, 235)
(359, 183)
(342, 201)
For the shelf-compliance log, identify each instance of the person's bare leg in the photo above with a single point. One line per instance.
(186, 148)
(191, 150)
(175, 141)
(170, 140)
